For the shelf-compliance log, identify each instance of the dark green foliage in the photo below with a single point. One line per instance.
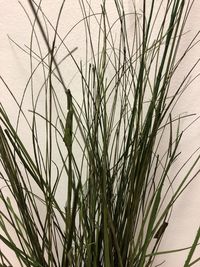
(117, 199)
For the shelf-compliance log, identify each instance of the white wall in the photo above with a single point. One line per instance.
(14, 68)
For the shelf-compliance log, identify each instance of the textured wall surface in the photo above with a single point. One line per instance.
(15, 70)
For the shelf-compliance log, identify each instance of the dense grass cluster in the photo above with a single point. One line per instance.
(112, 149)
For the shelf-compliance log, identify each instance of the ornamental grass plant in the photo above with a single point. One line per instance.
(94, 186)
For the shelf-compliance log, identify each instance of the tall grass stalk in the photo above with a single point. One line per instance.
(112, 149)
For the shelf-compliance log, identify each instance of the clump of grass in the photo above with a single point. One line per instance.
(105, 150)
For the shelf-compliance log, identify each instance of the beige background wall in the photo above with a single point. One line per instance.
(14, 68)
